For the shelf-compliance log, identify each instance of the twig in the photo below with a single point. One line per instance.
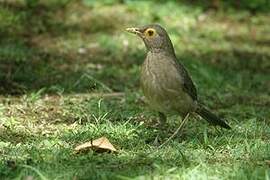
(88, 76)
(92, 95)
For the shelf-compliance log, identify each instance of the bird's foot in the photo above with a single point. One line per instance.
(162, 125)
(157, 140)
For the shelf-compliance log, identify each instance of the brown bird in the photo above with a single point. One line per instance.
(165, 82)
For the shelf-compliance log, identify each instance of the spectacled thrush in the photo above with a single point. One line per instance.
(165, 82)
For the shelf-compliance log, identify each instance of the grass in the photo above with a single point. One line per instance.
(69, 73)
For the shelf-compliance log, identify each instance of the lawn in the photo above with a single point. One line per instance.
(69, 73)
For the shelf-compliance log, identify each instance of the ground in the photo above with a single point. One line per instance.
(69, 73)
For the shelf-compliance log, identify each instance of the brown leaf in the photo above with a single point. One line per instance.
(99, 145)
(29, 178)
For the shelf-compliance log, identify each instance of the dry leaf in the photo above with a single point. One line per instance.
(267, 162)
(99, 145)
(29, 178)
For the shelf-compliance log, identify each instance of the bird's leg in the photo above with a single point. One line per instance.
(161, 127)
(177, 130)
(162, 120)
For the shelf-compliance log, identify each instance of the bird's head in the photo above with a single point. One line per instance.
(154, 36)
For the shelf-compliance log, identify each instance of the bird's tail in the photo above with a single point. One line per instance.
(210, 117)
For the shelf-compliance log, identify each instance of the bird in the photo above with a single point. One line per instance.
(165, 82)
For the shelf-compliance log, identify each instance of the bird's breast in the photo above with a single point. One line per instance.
(162, 84)
(159, 74)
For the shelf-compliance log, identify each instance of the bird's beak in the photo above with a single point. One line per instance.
(135, 30)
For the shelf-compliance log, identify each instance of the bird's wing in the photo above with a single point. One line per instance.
(188, 85)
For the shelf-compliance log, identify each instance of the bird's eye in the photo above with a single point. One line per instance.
(150, 32)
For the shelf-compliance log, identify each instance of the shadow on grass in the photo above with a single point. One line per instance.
(239, 5)
(26, 67)
(64, 71)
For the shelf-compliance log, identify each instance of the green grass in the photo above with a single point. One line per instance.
(69, 73)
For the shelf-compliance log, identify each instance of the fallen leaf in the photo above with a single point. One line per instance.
(267, 162)
(99, 145)
(29, 178)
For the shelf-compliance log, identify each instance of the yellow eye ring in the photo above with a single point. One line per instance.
(150, 32)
